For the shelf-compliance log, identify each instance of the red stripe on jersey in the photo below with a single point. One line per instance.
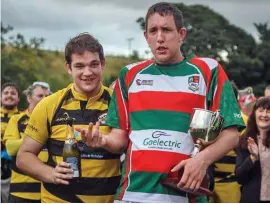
(155, 161)
(168, 101)
(134, 70)
(123, 121)
(125, 180)
(221, 79)
(204, 68)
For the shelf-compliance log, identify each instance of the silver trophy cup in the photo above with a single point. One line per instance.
(204, 127)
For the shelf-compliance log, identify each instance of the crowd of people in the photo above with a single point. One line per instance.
(135, 133)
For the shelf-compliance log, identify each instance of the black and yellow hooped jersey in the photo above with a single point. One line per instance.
(100, 169)
(224, 168)
(5, 116)
(21, 185)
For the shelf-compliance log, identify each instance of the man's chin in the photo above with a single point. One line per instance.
(10, 107)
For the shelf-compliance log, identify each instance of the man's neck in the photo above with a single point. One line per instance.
(9, 107)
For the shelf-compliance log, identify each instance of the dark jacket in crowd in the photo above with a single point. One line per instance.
(248, 174)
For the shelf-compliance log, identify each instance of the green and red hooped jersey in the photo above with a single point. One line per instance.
(153, 103)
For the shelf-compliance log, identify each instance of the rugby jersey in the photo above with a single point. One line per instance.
(225, 167)
(21, 185)
(153, 103)
(5, 162)
(100, 169)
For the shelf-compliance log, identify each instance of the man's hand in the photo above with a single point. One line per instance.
(61, 173)
(93, 138)
(194, 173)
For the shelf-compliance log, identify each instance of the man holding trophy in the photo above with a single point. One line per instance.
(166, 114)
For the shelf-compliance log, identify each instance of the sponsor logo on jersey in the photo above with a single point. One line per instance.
(140, 82)
(194, 82)
(64, 117)
(102, 118)
(161, 140)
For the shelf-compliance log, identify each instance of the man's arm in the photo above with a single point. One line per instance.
(12, 139)
(116, 141)
(28, 162)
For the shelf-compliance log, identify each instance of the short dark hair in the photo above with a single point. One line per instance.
(252, 128)
(11, 84)
(164, 8)
(81, 43)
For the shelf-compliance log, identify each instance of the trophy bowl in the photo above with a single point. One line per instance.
(204, 128)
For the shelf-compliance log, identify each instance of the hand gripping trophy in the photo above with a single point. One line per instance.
(204, 128)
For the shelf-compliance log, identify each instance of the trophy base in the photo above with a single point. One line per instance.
(172, 183)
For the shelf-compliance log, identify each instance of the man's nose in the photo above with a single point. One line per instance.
(160, 37)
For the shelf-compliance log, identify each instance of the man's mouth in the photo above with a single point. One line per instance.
(161, 49)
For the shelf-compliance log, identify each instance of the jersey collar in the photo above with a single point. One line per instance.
(82, 97)
(4, 110)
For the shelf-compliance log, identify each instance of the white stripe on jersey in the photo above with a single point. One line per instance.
(165, 83)
(212, 64)
(162, 140)
(153, 198)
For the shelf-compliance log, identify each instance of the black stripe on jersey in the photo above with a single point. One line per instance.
(55, 148)
(85, 186)
(22, 123)
(82, 117)
(105, 96)
(227, 180)
(219, 174)
(25, 187)
(227, 160)
(5, 119)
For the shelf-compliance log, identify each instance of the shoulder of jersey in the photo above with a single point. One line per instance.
(53, 98)
(141, 63)
(108, 90)
(210, 62)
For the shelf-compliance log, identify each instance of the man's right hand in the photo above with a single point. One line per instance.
(61, 173)
(93, 138)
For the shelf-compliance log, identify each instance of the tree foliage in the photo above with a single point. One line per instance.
(245, 60)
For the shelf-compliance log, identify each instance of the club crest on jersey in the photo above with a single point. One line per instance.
(102, 118)
(194, 82)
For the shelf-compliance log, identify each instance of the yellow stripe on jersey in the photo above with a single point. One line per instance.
(100, 169)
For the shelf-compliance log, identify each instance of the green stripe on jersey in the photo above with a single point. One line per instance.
(182, 69)
(229, 108)
(158, 119)
(147, 182)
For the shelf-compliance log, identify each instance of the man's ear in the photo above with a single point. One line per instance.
(68, 68)
(28, 99)
(103, 62)
(182, 34)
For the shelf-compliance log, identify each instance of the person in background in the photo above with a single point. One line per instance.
(10, 98)
(150, 112)
(24, 189)
(226, 188)
(267, 91)
(86, 100)
(246, 101)
(253, 155)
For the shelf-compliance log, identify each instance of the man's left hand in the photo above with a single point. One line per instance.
(194, 172)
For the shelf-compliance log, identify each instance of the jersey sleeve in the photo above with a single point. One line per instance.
(37, 127)
(117, 116)
(12, 139)
(221, 96)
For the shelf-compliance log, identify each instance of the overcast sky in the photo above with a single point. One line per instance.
(112, 22)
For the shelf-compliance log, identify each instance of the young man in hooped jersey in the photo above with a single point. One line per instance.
(150, 113)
